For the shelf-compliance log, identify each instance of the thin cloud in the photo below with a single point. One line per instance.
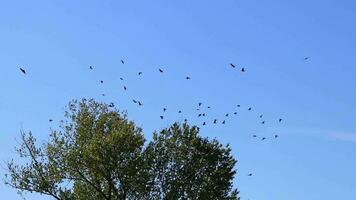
(349, 137)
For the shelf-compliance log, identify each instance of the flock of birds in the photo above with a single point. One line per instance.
(199, 104)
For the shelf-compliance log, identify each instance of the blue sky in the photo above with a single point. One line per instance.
(314, 157)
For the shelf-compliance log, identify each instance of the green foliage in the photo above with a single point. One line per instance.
(99, 154)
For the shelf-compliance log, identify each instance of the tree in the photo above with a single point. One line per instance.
(99, 154)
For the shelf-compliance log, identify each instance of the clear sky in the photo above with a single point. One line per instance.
(314, 157)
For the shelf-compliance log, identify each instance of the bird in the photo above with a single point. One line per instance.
(223, 122)
(208, 106)
(121, 78)
(232, 65)
(164, 109)
(306, 58)
(101, 81)
(139, 103)
(134, 100)
(280, 120)
(161, 117)
(263, 138)
(50, 120)
(261, 116)
(122, 62)
(103, 95)
(200, 103)
(227, 114)
(185, 120)
(250, 174)
(249, 109)
(235, 113)
(139, 73)
(180, 111)
(203, 114)
(125, 88)
(215, 120)
(199, 115)
(275, 136)
(254, 135)
(160, 70)
(238, 105)
(242, 69)
(23, 71)
(111, 105)
(187, 77)
(204, 123)
(263, 122)
(90, 67)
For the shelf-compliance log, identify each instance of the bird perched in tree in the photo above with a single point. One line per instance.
(232, 65)
(23, 71)
(160, 70)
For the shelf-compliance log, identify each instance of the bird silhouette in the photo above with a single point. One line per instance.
(139, 73)
(90, 67)
(200, 104)
(164, 109)
(111, 105)
(103, 95)
(261, 116)
(238, 105)
(139, 103)
(227, 114)
(204, 123)
(242, 69)
(185, 120)
(223, 122)
(125, 88)
(203, 114)
(23, 71)
(161, 117)
(306, 58)
(122, 61)
(199, 115)
(134, 100)
(101, 81)
(232, 65)
(263, 122)
(160, 70)
(180, 111)
(235, 113)
(250, 174)
(50, 120)
(254, 135)
(263, 138)
(121, 78)
(280, 120)
(187, 77)
(208, 106)
(275, 136)
(215, 120)
(249, 109)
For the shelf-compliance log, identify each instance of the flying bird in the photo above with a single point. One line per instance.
(306, 58)
(232, 65)
(242, 69)
(187, 77)
(160, 70)
(101, 81)
(208, 106)
(122, 62)
(50, 120)
(249, 109)
(204, 123)
(275, 136)
(227, 114)
(111, 105)
(103, 95)
(139, 103)
(161, 117)
(223, 122)
(121, 78)
(199, 115)
(199, 104)
(164, 109)
(238, 105)
(180, 111)
(134, 100)
(203, 114)
(254, 135)
(261, 116)
(280, 120)
(263, 122)
(125, 88)
(215, 120)
(263, 138)
(23, 71)
(139, 73)
(250, 174)
(235, 113)
(90, 67)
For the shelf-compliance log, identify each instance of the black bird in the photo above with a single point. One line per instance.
(235, 113)
(280, 120)
(199, 115)
(180, 111)
(101, 81)
(204, 123)
(215, 120)
(199, 104)
(50, 120)
(242, 69)
(275, 136)
(111, 105)
(232, 65)
(164, 109)
(122, 62)
(250, 174)
(198, 109)
(238, 105)
(254, 135)
(134, 100)
(161, 117)
(208, 106)
(139, 103)
(103, 95)
(263, 138)
(187, 77)
(125, 88)
(249, 109)
(185, 120)
(90, 67)
(121, 79)
(263, 122)
(306, 58)
(223, 122)
(160, 70)
(261, 116)
(139, 73)
(227, 114)
(23, 71)
(203, 114)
